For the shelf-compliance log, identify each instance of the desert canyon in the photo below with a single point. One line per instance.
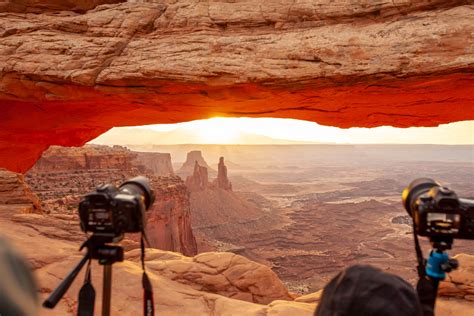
(235, 230)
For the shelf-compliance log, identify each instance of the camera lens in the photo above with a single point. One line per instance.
(414, 190)
(139, 186)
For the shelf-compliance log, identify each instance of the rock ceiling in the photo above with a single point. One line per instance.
(68, 76)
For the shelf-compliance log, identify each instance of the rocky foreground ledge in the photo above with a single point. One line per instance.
(207, 284)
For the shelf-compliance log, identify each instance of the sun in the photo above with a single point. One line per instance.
(217, 130)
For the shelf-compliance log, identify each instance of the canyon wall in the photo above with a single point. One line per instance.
(189, 166)
(169, 219)
(91, 157)
(63, 175)
(84, 158)
(216, 211)
(41, 6)
(67, 78)
(157, 163)
(15, 195)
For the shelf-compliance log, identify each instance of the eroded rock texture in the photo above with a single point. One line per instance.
(95, 157)
(157, 163)
(222, 181)
(66, 78)
(224, 273)
(89, 157)
(169, 218)
(39, 6)
(460, 283)
(208, 284)
(63, 175)
(199, 180)
(15, 195)
(189, 166)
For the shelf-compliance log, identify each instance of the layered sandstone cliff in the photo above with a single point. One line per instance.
(63, 176)
(15, 193)
(158, 164)
(188, 167)
(222, 181)
(66, 78)
(199, 180)
(41, 6)
(169, 219)
(89, 157)
(217, 212)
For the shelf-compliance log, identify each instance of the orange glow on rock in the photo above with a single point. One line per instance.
(54, 114)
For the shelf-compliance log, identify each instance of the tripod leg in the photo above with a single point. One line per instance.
(106, 290)
(58, 293)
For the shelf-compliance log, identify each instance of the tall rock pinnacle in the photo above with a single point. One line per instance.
(222, 181)
(199, 180)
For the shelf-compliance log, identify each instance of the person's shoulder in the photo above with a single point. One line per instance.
(18, 290)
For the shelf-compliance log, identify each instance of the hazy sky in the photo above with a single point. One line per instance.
(270, 130)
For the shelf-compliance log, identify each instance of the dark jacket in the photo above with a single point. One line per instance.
(365, 290)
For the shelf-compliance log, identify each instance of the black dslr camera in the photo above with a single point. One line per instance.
(437, 211)
(113, 211)
(108, 213)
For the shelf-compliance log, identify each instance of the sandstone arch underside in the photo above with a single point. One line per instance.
(66, 77)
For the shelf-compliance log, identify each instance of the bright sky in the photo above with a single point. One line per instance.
(257, 130)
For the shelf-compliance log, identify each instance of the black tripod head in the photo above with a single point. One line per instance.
(97, 248)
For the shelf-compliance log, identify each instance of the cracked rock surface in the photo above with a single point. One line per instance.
(68, 76)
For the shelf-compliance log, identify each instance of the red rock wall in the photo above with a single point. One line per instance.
(15, 192)
(39, 6)
(169, 219)
(84, 158)
(67, 78)
(157, 163)
(222, 181)
(199, 180)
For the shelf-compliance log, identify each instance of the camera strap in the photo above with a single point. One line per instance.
(86, 295)
(426, 287)
(148, 306)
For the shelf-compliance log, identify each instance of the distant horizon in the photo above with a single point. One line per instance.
(272, 131)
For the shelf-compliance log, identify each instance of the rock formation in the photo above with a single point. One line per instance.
(66, 78)
(169, 219)
(58, 158)
(35, 6)
(211, 283)
(199, 180)
(15, 193)
(188, 167)
(222, 182)
(90, 157)
(63, 175)
(460, 283)
(216, 211)
(208, 284)
(157, 163)
(225, 274)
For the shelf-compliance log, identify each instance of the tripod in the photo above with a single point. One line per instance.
(433, 270)
(106, 255)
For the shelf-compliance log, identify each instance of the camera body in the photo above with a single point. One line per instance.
(437, 211)
(113, 211)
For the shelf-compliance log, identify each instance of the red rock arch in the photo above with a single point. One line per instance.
(67, 78)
